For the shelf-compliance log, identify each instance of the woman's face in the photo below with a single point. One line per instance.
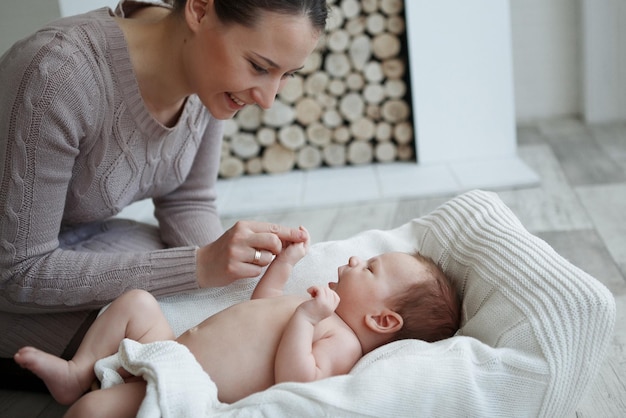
(231, 66)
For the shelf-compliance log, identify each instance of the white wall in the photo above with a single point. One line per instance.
(604, 60)
(546, 58)
(72, 7)
(19, 18)
(22, 17)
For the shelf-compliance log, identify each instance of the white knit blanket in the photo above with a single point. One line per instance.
(176, 384)
(535, 330)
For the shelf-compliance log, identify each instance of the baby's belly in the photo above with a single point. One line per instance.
(237, 346)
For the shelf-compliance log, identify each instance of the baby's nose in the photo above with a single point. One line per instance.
(353, 261)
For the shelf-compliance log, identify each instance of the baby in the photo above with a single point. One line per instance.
(272, 338)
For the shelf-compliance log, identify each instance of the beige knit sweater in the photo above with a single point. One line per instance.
(77, 145)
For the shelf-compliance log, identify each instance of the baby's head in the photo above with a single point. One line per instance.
(396, 296)
(429, 307)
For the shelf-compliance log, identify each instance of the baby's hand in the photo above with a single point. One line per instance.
(293, 252)
(323, 303)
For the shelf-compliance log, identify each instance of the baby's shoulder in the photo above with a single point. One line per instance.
(335, 328)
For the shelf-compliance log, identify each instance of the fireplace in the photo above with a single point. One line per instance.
(463, 120)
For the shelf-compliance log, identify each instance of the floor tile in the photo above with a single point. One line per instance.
(496, 173)
(319, 222)
(585, 249)
(565, 127)
(606, 206)
(352, 219)
(264, 193)
(584, 162)
(17, 404)
(552, 205)
(340, 185)
(409, 209)
(415, 180)
(612, 138)
(529, 135)
(607, 397)
(324, 187)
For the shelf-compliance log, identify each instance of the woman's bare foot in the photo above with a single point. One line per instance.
(59, 375)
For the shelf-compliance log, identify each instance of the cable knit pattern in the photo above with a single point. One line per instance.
(77, 145)
(535, 328)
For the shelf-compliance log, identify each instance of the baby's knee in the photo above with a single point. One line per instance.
(140, 300)
(142, 297)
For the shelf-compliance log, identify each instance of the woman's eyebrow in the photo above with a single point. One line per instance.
(271, 63)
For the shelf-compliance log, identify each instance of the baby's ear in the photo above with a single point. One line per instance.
(385, 322)
(195, 10)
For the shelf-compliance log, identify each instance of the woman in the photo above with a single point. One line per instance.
(98, 111)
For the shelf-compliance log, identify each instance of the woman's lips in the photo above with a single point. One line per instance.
(236, 100)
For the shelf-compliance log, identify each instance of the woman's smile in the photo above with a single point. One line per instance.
(238, 102)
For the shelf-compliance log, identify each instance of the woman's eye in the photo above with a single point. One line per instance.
(258, 68)
(289, 75)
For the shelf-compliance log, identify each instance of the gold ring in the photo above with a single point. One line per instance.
(257, 256)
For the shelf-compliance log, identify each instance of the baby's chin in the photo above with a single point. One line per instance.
(332, 285)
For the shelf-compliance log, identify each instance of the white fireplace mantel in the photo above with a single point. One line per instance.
(461, 69)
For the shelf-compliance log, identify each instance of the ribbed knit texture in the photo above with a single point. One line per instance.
(535, 328)
(77, 145)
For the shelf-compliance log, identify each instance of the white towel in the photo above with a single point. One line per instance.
(177, 386)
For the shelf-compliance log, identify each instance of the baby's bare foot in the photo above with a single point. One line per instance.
(58, 375)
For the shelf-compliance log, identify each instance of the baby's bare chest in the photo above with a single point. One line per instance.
(237, 346)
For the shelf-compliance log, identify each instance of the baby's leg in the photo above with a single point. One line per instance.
(135, 315)
(118, 401)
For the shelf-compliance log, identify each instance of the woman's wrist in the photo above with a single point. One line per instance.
(202, 273)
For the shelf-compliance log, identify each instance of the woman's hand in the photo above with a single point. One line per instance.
(243, 251)
(294, 251)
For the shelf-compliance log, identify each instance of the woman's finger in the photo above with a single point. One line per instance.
(260, 257)
(284, 233)
(265, 241)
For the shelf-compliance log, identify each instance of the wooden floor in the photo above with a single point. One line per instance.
(579, 208)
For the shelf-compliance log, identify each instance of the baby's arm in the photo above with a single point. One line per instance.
(278, 272)
(301, 359)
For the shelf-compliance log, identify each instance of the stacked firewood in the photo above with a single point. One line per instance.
(348, 106)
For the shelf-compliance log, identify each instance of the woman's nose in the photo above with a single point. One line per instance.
(265, 94)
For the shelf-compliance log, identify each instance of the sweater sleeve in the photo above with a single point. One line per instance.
(50, 101)
(188, 215)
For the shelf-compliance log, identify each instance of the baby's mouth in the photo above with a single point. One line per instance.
(236, 100)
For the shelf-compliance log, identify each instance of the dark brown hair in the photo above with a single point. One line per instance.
(430, 308)
(247, 12)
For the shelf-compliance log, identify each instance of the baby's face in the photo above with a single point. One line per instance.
(370, 283)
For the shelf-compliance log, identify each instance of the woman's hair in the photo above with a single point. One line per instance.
(247, 12)
(430, 308)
